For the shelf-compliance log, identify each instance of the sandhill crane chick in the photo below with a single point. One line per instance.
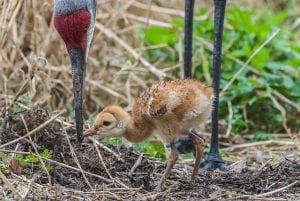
(172, 108)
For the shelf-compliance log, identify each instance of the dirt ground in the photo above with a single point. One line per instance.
(97, 171)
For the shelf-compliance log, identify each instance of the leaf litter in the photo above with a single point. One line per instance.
(118, 180)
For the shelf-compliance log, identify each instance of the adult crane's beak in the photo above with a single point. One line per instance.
(75, 20)
(78, 61)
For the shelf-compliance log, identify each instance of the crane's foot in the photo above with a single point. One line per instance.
(212, 162)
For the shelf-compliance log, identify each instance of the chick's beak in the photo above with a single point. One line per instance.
(77, 56)
(90, 132)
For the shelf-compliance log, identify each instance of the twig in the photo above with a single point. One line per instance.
(136, 164)
(113, 195)
(107, 90)
(36, 151)
(97, 192)
(128, 94)
(103, 164)
(216, 197)
(155, 196)
(101, 160)
(4, 195)
(150, 21)
(77, 162)
(23, 178)
(107, 149)
(235, 163)
(248, 61)
(10, 186)
(60, 164)
(282, 111)
(34, 130)
(285, 99)
(158, 195)
(136, 191)
(31, 182)
(273, 184)
(264, 165)
(268, 193)
(241, 63)
(230, 119)
(268, 142)
(159, 9)
(13, 155)
(110, 34)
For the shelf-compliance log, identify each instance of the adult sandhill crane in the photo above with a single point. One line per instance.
(75, 20)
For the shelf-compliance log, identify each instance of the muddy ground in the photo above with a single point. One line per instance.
(271, 173)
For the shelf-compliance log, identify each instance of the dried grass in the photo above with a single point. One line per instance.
(34, 60)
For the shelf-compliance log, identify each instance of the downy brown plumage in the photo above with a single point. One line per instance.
(172, 108)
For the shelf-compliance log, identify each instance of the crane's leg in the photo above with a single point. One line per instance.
(214, 160)
(188, 37)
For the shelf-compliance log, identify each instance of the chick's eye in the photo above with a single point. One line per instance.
(106, 123)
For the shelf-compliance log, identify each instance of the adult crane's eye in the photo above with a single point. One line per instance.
(85, 29)
(106, 123)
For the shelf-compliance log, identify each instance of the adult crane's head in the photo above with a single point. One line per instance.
(74, 20)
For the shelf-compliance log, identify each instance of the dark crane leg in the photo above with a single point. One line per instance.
(188, 37)
(186, 145)
(213, 160)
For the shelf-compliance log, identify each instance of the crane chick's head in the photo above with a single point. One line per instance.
(111, 122)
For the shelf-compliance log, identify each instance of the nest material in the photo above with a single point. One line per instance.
(133, 183)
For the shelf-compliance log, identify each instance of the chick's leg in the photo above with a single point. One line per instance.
(171, 162)
(199, 145)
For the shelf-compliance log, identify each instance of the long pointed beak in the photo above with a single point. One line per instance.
(77, 56)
